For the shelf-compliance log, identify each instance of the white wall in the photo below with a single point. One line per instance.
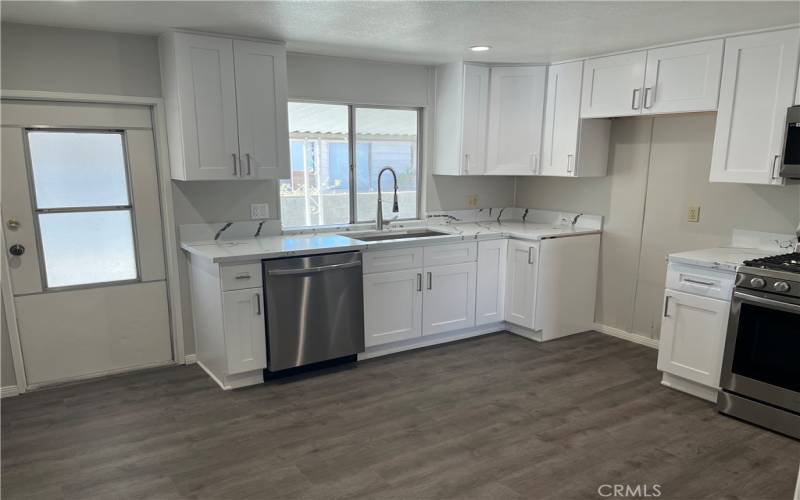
(658, 167)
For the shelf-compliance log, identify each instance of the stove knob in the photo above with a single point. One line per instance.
(781, 286)
(757, 283)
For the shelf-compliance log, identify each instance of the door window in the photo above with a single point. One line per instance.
(82, 205)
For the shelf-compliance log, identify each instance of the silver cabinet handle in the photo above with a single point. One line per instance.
(647, 94)
(258, 304)
(774, 162)
(419, 282)
(249, 170)
(466, 163)
(286, 272)
(570, 164)
(235, 172)
(530, 255)
(534, 162)
(430, 281)
(699, 282)
(634, 99)
(666, 306)
(243, 276)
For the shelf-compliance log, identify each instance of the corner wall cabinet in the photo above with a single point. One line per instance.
(758, 85)
(226, 107)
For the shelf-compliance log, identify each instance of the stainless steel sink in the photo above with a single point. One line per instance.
(396, 235)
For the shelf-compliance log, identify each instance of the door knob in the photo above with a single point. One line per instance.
(16, 249)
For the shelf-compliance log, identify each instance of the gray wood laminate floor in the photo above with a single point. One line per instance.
(495, 417)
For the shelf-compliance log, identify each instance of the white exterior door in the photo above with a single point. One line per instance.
(261, 97)
(392, 306)
(693, 337)
(522, 266)
(516, 113)
(449, 302)
(245, 330)
(758, 82)
(476, 108)
(683, 78)
(205, 74)
(89, 285)
(612, 86)
(491, 282)
(562, 119)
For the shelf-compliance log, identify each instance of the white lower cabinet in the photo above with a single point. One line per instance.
(244, 330)
(392, 306)
(693, 337)
(449, 301)
(490, 282)
(522, 268)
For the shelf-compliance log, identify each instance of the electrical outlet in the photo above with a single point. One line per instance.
(259, 211)
(472, 201)
(694, 214)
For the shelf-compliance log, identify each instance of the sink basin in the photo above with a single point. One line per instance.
(396, 235)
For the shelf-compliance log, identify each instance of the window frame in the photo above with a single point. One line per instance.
(130, 207)
(351, 141)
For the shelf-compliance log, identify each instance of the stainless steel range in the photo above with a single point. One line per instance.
(761, 366)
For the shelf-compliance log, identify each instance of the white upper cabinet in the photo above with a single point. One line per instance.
(462, 100)
(612, 86)
(516, 112)
(683, 78)
(571, 147)
(758, 84)
(261, 96)
(226, 107)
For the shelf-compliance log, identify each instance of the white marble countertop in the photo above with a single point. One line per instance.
(724, 258)
(266, 247)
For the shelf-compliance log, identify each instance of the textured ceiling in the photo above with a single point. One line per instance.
(425, 31)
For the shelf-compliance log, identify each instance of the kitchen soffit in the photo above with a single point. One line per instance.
(425, 32)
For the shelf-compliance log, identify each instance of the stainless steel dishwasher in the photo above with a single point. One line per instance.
(315, 309)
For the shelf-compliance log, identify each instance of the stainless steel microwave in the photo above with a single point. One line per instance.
(790, 167)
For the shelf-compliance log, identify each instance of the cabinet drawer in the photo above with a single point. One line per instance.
(392, 260)
(239, 276)
(444, 255)
(700, 281)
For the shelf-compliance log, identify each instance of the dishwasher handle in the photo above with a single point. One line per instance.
(309, 270)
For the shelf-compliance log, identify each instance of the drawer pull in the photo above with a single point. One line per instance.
(666, 306)
(243, 276)
(699, 282)
(419, 282)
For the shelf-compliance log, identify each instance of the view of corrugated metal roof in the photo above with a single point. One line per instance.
(315, 118)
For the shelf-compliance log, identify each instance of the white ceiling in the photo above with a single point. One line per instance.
(427, 32)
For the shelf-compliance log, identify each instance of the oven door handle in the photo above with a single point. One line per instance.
(774, 304)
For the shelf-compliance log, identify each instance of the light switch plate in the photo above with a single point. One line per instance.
(259, 211)
(472, 201)
(693, 214)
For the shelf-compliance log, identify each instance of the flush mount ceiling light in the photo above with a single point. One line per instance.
(480, 48)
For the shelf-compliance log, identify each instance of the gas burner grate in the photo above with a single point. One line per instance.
(786, 262)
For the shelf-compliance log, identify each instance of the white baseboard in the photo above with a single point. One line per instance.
(190, 359)
(426, 341)
(622, 334)
(9, 391)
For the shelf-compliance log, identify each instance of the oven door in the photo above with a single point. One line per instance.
(762, 349)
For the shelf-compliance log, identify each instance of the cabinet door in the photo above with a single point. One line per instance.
(245, 330)
(516, 113)
(693, 337)
(476, 108)
(491, 282)
(612, 86)
(392, 306)
(522, 265)
(261, 98)
(758, 76)
(207, 90)
(683, 78)
(449, 302)
(562, 119)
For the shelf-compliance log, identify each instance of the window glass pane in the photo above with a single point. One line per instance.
(78, 169)
(318, 192)
(87, 247)
(386, 138)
